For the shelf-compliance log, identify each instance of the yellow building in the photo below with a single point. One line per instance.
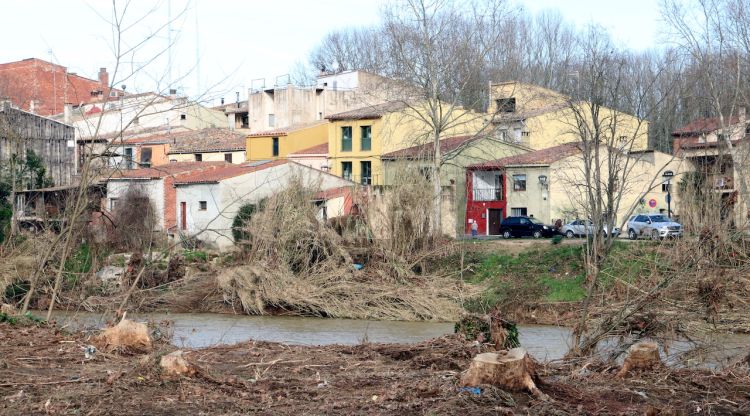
(358, 139)
(549, 184)
(278, 143)
(539, 118)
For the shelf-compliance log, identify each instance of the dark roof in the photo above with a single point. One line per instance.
(427, 150)
(702, 125)
(220, 173)
(369, 112)
(538, 157)
(169, 169)
(321, 149)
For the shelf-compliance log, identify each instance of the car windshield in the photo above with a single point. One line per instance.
(535, 221)
(659, 218)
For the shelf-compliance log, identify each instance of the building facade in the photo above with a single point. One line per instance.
(279, 143)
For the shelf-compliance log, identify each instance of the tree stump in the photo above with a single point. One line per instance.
(641, 356)
(174, 365)
(127, 336)
(512, 370)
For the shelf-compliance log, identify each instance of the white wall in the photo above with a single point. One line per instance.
(154, 188)
(214, 225)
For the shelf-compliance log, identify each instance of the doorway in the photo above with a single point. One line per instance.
(494, 217)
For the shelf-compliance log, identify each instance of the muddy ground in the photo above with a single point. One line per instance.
(44, 371)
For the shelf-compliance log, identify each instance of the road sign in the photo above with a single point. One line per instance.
(652, 203)
(667, 174)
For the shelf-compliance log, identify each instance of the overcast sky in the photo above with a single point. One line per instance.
(237, 41)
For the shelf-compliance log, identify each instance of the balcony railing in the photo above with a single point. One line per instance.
(722, 182)
(488, 194)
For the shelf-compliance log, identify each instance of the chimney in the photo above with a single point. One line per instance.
(32, 107)
(67, 112)
(104, 78)
(222, 100)
(172, 92)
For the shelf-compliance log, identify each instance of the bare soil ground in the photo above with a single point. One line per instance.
(44, 371)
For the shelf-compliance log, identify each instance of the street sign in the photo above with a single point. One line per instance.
(667, 174)
(652, 203)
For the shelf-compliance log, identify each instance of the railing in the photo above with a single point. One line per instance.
(488, 194)
(722, 182)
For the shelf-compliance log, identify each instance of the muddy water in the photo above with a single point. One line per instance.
(202, 330)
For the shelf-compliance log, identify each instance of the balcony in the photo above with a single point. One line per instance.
(488, 194)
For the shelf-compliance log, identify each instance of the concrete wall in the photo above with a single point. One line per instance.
(51, 140)
(154, 188)
(214, 225)
(319, 162)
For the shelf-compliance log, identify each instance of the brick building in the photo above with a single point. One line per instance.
(44, 88)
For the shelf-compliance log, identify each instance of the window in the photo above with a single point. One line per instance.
(128, 158)
(183, 116)
(271, 120)
(366, 169)
(506, 105)
(519, 182)
(146, 157)
(275, 150)
(228, 157)
(366, 143)
(202, 205)
(426, 172)
(518, 212)
(525, 133)
(113, 93)
(346, 139)
(198, 157)
(346, 170)
(112, 204)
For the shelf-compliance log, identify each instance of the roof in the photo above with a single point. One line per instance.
(702, 125)
(333, 193)
(538, 157)
(170, 169)
(196, 141)
(225, 172)
(283, 131)
(369, 112)
(427, 150)
(321, 149)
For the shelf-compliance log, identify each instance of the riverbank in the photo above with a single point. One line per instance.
(45, 371)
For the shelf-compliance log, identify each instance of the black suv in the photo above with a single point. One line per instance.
(525, 226)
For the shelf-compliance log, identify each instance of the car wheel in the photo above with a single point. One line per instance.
(537, 234)
(655, 235)
(506, 234)
(632, 235)
(570, 234)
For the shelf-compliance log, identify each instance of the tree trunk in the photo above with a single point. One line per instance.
(512, 370)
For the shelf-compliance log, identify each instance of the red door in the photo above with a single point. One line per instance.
(183, 215)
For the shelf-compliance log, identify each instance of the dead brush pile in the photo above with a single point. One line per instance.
(296, 263)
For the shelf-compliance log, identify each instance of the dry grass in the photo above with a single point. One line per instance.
(297, 263)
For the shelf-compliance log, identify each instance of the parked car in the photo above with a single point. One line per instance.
(653, 226)
(525, 226)
(580, 228)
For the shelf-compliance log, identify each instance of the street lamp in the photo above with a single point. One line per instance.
(543, 180)
(668, 175)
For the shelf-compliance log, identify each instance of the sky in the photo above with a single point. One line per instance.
(223, 47)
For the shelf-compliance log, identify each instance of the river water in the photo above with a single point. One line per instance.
(544, 343)
(196, 330)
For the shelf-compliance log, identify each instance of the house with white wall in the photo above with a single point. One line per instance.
(208, 201)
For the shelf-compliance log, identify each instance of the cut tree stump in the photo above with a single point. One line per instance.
(512, 370)
(175, 365)
(641, 356)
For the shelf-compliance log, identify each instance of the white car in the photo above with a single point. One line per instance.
(654, 226)
(581, 228)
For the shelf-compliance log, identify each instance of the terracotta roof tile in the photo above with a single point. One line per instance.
(702, 125)
(369, 112)
(427, 150)
(225, 172)
(538, 157)
(283, 131)
(321, 149)
(196, 141)
(170, 169)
